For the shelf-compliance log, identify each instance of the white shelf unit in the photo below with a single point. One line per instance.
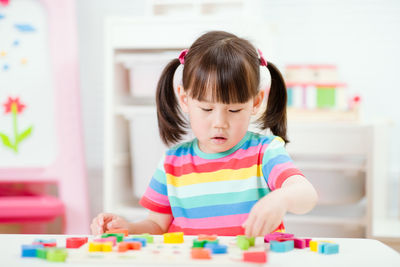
(348, 164)
(355, 149)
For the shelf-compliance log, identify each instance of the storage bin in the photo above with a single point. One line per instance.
(146, 146)
(336, 187)
(145, 70)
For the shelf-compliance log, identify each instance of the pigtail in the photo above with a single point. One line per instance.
(274, 116)
(171, 123)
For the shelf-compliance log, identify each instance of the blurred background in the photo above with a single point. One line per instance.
(78, 127)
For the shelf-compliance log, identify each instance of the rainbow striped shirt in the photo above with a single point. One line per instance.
(214, 193)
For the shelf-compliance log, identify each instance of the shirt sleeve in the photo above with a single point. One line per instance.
(277, 165)
(155, 197)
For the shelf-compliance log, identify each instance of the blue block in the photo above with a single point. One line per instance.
(284, 246)
(30, 250)
(328, 248)
(216, 248)
(137, 239)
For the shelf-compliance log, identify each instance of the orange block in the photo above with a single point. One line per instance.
(200, 253)
(118, 231)
(207, 237)
(124, 246)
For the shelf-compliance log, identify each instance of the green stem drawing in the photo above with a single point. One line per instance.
(15, 108)
(15, 126)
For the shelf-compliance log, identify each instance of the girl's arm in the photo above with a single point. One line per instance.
(296, 195)
(155, 223)
(300, 196)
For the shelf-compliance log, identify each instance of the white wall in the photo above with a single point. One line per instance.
(361, 37)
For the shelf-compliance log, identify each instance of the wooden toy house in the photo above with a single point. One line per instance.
(315, 87)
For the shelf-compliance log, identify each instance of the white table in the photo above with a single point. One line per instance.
(353, 252)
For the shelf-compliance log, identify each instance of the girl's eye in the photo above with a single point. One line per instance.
(234, 110)
(206, 109)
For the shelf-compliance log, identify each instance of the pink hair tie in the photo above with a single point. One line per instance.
(182, 56)
(263, 62)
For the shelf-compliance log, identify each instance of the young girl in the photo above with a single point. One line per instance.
(227, 181)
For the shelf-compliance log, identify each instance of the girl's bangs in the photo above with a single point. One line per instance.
(223, 85)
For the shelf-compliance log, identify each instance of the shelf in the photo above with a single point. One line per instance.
(329, 166)
(386, 228)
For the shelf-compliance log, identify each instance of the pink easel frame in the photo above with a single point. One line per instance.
(68, 169)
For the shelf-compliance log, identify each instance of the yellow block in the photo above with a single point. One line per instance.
(95, 246)
(173, 238)
(107, 246)
(314, 246)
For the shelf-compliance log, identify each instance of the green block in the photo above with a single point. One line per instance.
(252, 240)
(242, 242)
(198, 244)
(42, 253)
(119, 237)
(149, 238)
(57, 254)
(325, 97)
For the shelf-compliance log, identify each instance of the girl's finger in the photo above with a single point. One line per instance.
(250, 225)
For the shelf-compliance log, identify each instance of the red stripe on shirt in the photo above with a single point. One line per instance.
(284, 175)
(233, 164)
(151, 205)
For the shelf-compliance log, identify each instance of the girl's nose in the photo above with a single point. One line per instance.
(220, 120)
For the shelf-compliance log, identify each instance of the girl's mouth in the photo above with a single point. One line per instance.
(219, 140)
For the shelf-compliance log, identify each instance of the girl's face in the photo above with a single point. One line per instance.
(217, 126)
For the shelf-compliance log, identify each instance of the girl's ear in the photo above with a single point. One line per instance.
(183, 99)
(257, 101)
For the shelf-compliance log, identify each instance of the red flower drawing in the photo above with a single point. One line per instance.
(14, 105)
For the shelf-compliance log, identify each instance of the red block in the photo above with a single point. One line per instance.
(307, 242)
(76, 242)
(255, 256)
(299, 243)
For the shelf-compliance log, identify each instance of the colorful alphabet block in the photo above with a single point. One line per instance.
(119, 236)
(255, 256)
(284, 246)
(216, 248)
(118, 231)
(200, 253)
(30, 250)
(173, 238)
(149, 238)
(244, 242)
(75, 242)
(57, 254)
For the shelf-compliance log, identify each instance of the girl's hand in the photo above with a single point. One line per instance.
(106, 221)
(266, 214)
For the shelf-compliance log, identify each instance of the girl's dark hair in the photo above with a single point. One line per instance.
(227, 65)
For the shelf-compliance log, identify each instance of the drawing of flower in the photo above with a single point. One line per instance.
(14, 107)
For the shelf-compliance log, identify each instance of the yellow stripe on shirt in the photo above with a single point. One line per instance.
(217, 176)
